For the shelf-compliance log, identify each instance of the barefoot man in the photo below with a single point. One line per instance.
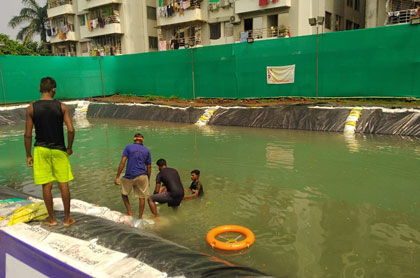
(137, 173)
(50, 162)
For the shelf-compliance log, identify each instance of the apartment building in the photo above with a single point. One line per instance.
(113, 27)
(210, 22)
(102, 27)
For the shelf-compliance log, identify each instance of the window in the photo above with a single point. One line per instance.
(350, 3)
(328, 20)
(82, 20)
(228, 29)
(215, 31)
(85, 48)
(349, 25)
(153, 42)
(338, 23)
(151, 13)
(356, 26)
(248, 24)
(357, 5)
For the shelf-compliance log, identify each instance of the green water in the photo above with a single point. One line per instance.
(320, 205)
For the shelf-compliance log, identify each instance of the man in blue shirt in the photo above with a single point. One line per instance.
(137, 173)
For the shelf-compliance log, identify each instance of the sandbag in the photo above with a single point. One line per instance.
(32, 212)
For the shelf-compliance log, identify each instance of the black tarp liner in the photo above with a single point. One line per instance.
(145, 113)
(283, 117)
(378, 122)
(299, 116)
(18, 115)
(306, 117)
(162, 254)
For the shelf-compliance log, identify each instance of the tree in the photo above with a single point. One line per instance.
(36, 16)
(11, 47)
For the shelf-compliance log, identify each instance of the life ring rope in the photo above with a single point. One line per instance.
(231, 244)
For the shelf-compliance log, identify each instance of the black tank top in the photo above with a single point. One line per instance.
(48, 121)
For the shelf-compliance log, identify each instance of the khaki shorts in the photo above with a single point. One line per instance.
(140, 185)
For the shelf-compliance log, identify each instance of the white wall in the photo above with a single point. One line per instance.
(375, 13)
(133, 16)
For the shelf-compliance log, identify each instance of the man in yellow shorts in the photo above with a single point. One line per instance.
(50, 162)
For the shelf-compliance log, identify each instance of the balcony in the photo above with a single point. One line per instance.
(246, 6)
(403, 16)
(69, 36)
(57, 10)
(188, 16)
(97, 3)
(263, 33)
(108, 29)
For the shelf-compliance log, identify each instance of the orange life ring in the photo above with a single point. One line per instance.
(230, 246)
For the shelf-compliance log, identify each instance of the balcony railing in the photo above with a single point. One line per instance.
(180, 43)
(263, 33)
(56, 3)
(97, 3)
(101, 26)
(188, 15)
(246, 6)
(404, 16)
(66, 8)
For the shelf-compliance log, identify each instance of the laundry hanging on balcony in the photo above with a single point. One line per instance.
(170, 8)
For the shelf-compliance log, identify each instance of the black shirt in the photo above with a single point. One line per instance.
(198, 187)
(48, 120)
(170, 178)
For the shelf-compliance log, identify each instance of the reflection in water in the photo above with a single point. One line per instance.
(319, 204)
(352, 142)
(276, 156)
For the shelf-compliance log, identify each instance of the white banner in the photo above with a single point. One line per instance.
(281, 75)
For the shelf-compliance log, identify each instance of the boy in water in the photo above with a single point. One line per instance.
(196, 187)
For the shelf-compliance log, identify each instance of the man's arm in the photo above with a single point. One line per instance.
(157, 188)
(120, 169)
(195, 194)
(70, 128)
(149, 171)
(28, 135)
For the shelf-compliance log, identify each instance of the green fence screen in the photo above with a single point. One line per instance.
(76, 77)
(377, 62)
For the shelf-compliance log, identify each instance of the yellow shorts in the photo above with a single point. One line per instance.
(51, 165)
(140, 184)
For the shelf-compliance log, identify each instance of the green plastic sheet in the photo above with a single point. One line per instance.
(377, 62)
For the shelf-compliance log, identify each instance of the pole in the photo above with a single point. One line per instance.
(2, 84)
(192, 69)
(316, 71)
(102, 76)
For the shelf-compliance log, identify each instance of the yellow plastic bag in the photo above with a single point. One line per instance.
(37, 211)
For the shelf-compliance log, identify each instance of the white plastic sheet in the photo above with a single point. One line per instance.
(88, 257)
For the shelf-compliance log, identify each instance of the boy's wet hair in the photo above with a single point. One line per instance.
(47, 84)
(197, 172)
(161, 162)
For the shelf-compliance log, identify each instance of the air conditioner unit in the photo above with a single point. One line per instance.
(235, 19)
(225, 3)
